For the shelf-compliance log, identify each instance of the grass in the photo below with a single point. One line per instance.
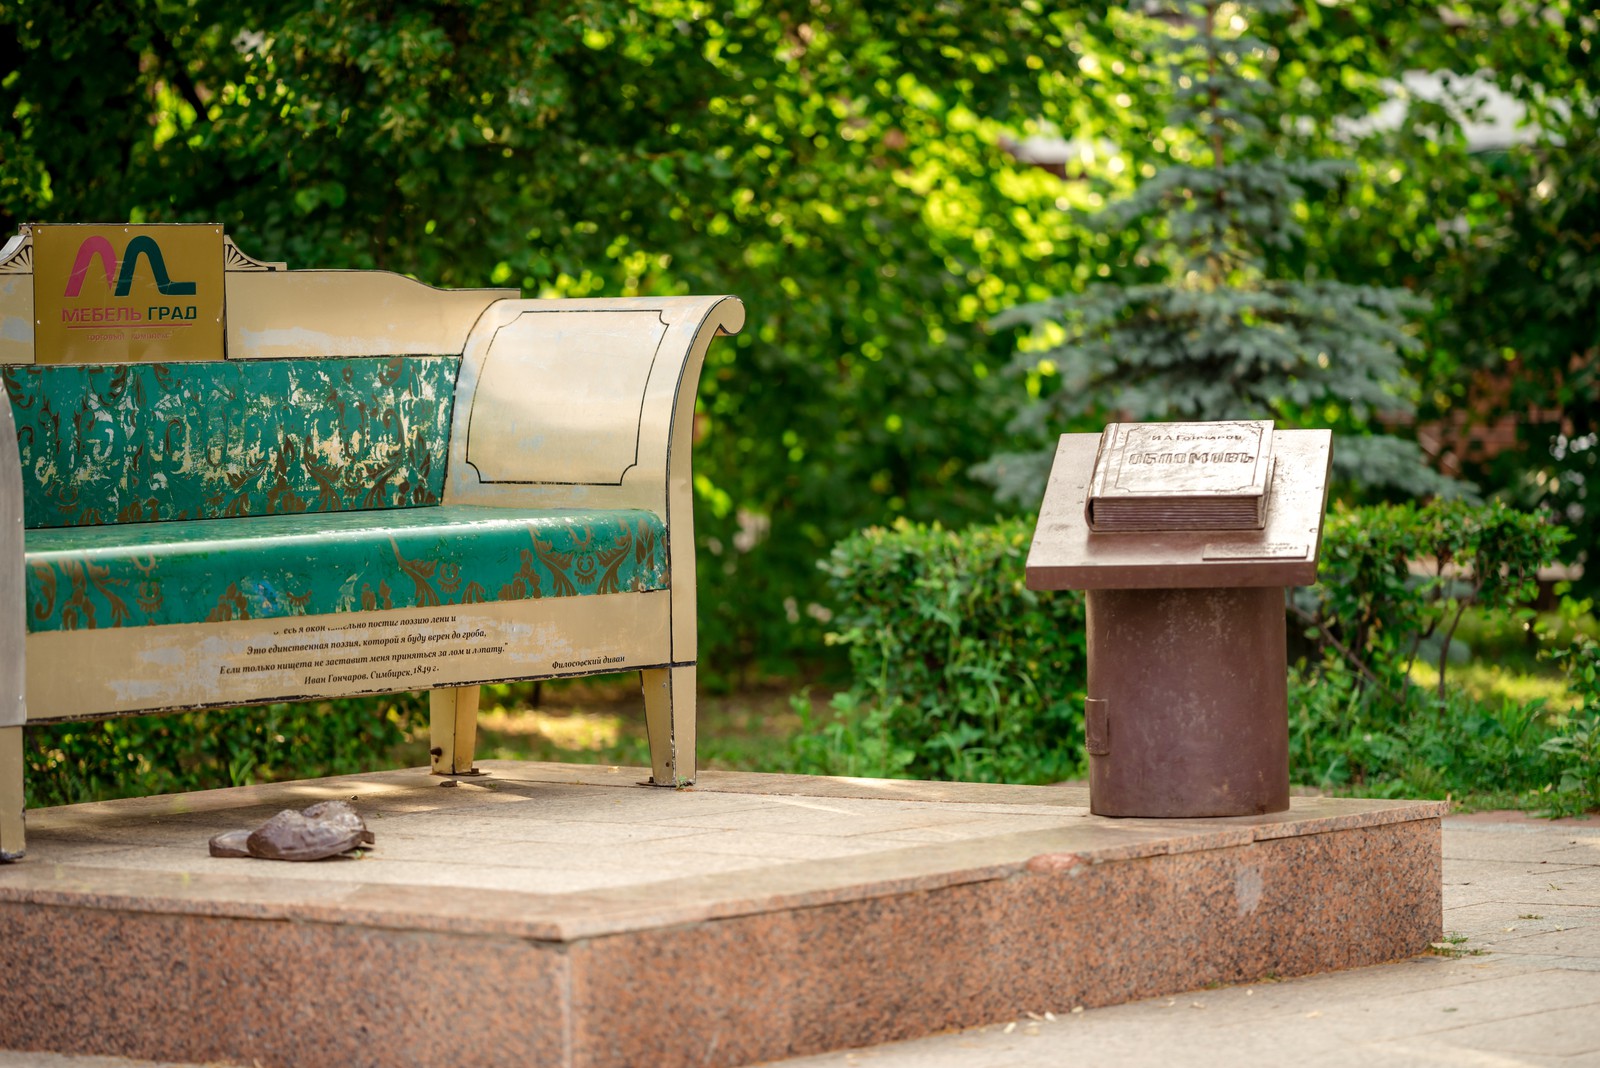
(1497, 681)
(601, 721)
(589, 721)
(1454, 946)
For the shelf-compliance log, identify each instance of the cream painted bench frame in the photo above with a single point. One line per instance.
(563, 404)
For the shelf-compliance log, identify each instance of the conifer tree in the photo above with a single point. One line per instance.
(1234, 326)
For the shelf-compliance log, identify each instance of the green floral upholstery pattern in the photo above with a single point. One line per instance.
(293, 565)
(143, 442)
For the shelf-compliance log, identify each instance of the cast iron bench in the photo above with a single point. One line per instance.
(366, 485)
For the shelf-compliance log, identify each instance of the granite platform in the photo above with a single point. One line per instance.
(551, 914)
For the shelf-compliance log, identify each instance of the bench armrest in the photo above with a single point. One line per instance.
(588, 404)
(13, 603)
(580, 403)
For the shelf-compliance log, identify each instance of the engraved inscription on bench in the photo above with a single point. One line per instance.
(560, 397)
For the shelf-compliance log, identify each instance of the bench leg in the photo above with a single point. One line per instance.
(11, 843)
(669, 719)
(453, 729)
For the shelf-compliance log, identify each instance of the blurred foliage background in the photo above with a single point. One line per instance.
(931, 212)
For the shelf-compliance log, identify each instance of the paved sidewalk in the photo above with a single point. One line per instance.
(1516, 983)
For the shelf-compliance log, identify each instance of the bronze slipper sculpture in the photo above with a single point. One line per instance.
(326, 829)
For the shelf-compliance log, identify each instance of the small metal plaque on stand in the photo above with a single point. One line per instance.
(1181, 476)
(1269, 550)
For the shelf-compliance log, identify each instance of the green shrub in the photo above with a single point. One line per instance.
(1396, 583)
(960, 671)
(858, 740)
(1349, 738)
(1396, 580)
(138, 755)
(1576, 742)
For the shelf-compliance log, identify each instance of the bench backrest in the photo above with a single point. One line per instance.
(143, 442)
(223, 387)
(569, 403)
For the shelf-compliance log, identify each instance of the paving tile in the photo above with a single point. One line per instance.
(1568, 1032)
(843, 821)
(1576, 856)
(1522, 847)
(1577, 940)
(1467, 869)
(1542, 961)
(1241, 1025)
(1427, 1011)
(767, 784)
(1413, 1053)
(1199, 1030)
(399, 861)
(641, 805)
(965, 829)
(1389, 1001)
(1583, 880)
(1297, 998)
(514, 825)
(790, 846)
(1584, 851)
(1504, 922)
(1061, 811)
(1476, 882)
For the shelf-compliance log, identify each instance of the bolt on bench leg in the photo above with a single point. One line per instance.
(11, 841)
(669, 711)
(453, 729)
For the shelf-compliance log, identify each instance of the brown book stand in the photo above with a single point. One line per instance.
(1187, 705)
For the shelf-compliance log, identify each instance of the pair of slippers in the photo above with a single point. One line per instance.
(326, 829)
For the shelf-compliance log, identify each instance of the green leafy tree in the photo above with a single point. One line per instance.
(1495, 226)
(842, 168)
(838, 167)
(1227, 321)
(1528, 332)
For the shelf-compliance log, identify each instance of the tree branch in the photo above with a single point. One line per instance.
(179, 74)
(1344, 650)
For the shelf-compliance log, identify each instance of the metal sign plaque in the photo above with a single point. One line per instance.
(127, 294)
(1269, 550)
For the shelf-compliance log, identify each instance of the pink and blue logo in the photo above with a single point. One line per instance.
(143, 246)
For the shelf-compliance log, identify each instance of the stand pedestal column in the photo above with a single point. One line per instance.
(1187, 710)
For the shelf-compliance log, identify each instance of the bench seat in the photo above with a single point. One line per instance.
(261, 567)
